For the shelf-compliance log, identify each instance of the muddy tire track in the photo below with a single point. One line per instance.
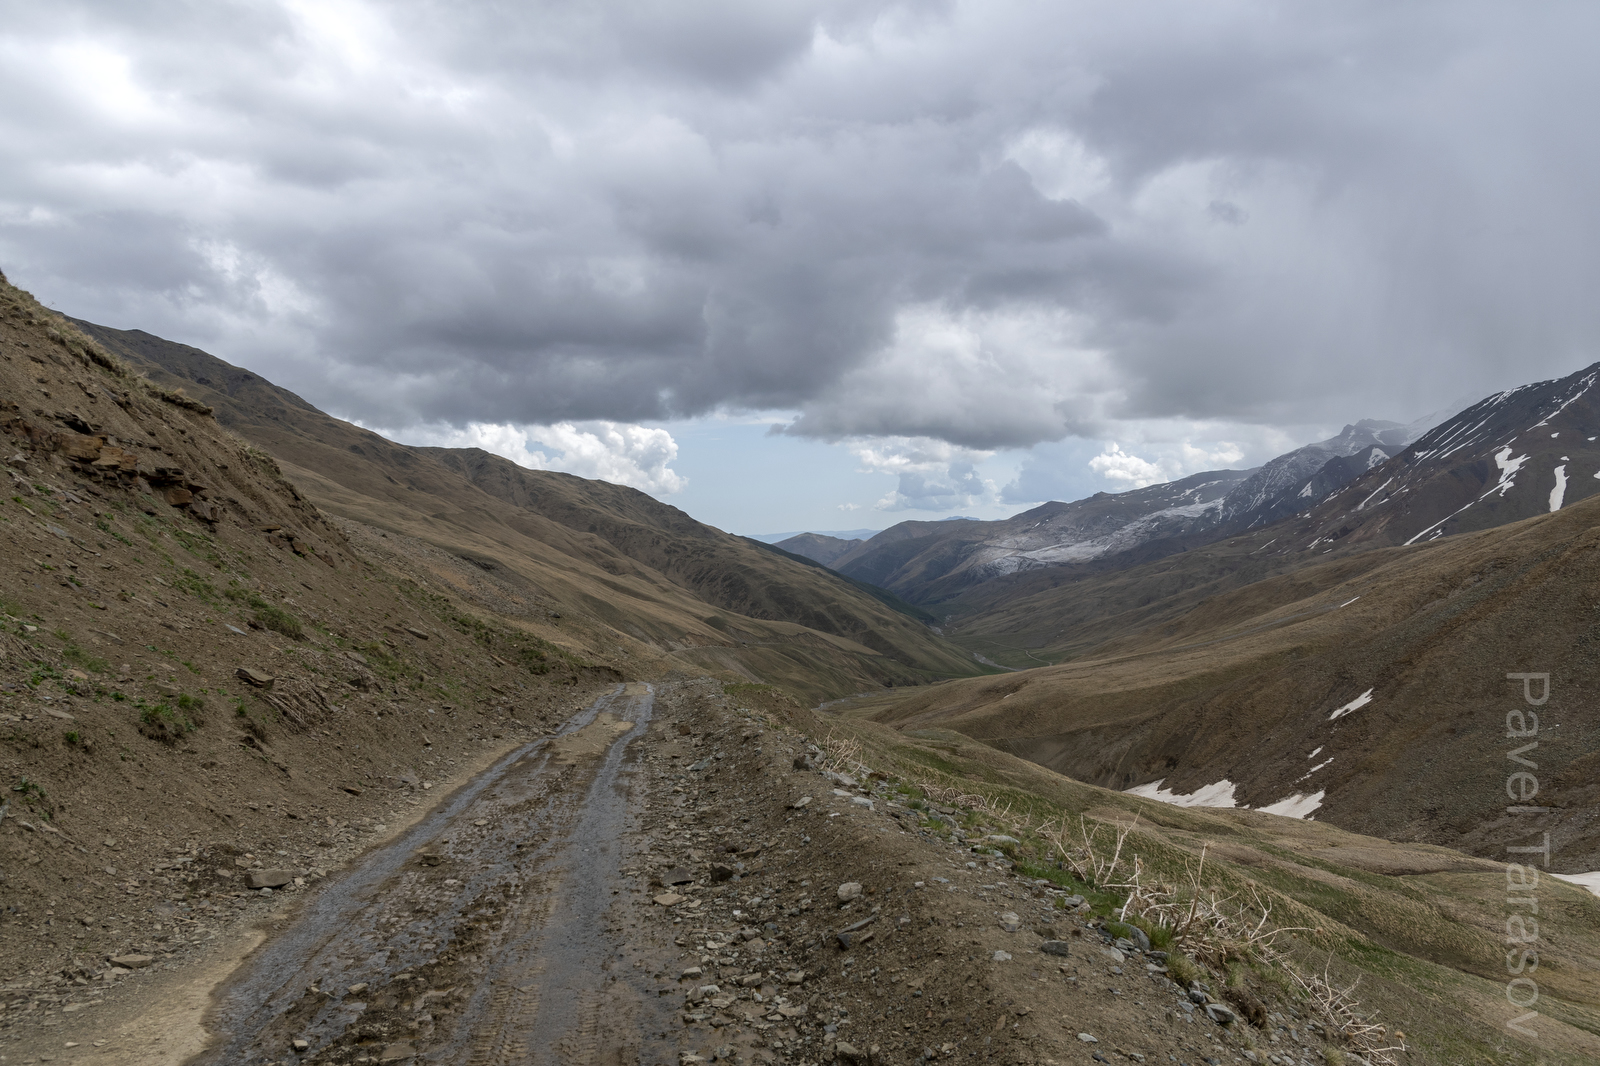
(484, 935)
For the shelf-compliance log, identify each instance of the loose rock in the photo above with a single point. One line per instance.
(270, 878)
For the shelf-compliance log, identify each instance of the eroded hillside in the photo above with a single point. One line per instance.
(674, 585)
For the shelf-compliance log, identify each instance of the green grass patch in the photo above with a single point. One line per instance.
(195, 585)
(83, 660)
(160, 721)
(41, 673)
(267, 615)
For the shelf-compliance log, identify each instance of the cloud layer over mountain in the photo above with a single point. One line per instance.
(984, 224)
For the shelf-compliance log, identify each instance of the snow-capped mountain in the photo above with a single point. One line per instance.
(1306, 476)
(929, 561)
(1527, 451)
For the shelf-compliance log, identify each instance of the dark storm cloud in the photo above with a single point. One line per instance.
(992, 224)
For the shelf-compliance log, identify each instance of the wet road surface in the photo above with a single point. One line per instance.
(483, 935)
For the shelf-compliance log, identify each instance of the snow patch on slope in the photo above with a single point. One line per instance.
(1217, 795)
(1591, 881)
(1508, 470)
(1354, 705)
(1298, 805)
(1559, 493)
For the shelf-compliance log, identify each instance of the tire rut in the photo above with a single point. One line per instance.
(481, 936)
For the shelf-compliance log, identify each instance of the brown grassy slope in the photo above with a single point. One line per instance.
(818, 547)
(639, 566)
(734, 573)
(1418, 929)
(1064, 612)
(149, 555)
(1242, 686)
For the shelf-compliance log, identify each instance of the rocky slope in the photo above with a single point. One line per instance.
(759, 884)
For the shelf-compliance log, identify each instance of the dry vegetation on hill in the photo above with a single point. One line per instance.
(1238, 682)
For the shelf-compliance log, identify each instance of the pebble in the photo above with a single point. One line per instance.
(1088, 1039)
(848, 891)
(847, 1054)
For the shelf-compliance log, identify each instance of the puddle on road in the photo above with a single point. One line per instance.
(479, 936)
(591, 740)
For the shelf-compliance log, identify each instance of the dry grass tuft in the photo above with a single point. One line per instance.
(1217, 929)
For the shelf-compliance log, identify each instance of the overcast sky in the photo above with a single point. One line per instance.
(824, 265)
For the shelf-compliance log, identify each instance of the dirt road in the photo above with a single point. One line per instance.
(669, 881)
(650, 886)
(482, 935)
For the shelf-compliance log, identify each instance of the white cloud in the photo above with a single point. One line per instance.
(849, 507)
(1172, 461)
(1060, 165)
(1219, 455)
(618, 452)
(1114, 464)
(1010, 374)
(615, 451)
(934, 475)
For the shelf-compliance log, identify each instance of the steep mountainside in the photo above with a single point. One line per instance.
(623, 558)
(932, 562)
(1524, 452)
(1298, 480)
(1220, 663)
